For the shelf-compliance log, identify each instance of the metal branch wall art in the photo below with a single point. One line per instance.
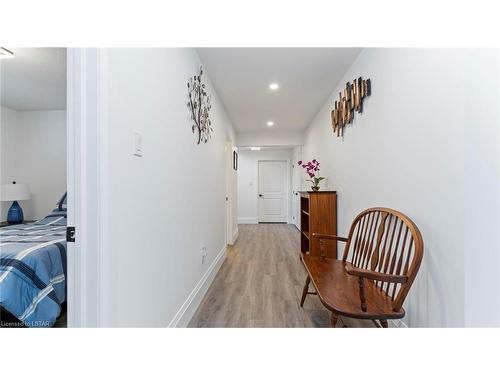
(199, 104)
(350, 100)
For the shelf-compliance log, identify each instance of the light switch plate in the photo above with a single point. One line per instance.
(138, 144)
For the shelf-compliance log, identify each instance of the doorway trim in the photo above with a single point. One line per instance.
(288, 188)
(85, 169)
(229, 199)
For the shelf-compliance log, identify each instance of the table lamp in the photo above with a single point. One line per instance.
(13, 193)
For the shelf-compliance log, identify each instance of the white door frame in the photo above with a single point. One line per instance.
(296, 186)
(288, 201)
(229, 193)
(85, 167)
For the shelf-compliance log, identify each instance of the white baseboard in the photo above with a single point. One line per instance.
(235, 236)
(248, 220)
(188, 308)
(397, 323)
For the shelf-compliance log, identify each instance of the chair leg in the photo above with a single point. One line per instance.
(304, 292)
(333, 320)
(384, 323)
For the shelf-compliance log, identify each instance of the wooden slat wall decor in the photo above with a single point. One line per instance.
(350, 100)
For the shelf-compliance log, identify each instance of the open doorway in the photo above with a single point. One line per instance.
(33, 155)
(231, 160)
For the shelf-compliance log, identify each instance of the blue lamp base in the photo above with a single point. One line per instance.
(15, 214)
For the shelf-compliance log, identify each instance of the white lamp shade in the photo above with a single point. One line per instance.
(15, 192)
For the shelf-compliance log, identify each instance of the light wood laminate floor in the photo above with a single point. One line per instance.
(260, 284)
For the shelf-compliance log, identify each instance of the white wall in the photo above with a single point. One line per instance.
(33, 151)
(482, 188)
(164, 207)
(425, 145)
(248, 181)
(8, 121)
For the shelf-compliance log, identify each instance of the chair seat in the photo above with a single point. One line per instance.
(339, 291)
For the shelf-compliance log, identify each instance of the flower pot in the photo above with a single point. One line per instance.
(315, 188)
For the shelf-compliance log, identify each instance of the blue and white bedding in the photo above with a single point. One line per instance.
(33, 269)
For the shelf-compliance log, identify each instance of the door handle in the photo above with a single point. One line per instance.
(260, 195)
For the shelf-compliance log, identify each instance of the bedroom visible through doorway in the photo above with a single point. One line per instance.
(33, 174)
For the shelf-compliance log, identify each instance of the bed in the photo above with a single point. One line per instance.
(33, 269)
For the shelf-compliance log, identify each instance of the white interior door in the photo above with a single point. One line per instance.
(273, 191)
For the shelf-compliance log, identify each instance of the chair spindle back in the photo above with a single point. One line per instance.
(386, 241)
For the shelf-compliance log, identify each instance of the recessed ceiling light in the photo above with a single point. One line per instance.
(270, 123)
(255, 148)
(274, 86)
(6, 54)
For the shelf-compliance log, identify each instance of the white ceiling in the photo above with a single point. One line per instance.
(35, 79)
(306, 76)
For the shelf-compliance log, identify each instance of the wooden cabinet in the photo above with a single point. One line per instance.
(318, 214)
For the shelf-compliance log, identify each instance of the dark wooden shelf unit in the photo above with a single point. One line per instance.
(318, 215)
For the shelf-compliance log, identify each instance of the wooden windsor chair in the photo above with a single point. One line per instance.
(382, 255)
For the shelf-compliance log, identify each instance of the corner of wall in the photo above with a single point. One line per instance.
(235, 236)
